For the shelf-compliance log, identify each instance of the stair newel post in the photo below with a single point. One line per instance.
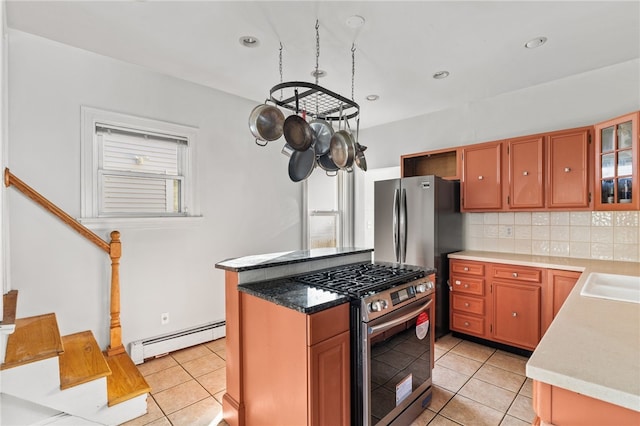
(115, 329)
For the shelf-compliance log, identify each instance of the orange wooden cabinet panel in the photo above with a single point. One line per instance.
(468, 311)
(482, 177)
(290, 360)
(617, 163)
(516, 314)
(556, 290)
(472, 305)
(467, 268)
(517, 273)
(526, 173)
(568, 159)
(561, 407)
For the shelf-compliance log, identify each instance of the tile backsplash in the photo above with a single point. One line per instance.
(593, 235)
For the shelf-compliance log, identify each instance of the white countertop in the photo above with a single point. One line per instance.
(593, 345)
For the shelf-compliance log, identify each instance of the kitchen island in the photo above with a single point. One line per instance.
(300, 329)
(586, 367)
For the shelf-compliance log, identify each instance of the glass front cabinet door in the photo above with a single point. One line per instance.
(617, 186)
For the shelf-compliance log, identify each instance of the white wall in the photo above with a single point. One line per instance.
(579, 100)
(248, 202)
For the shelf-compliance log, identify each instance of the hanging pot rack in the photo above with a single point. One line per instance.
(326, 102)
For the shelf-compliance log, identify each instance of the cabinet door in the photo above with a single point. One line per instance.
(329, 381)
(516, 314)
(526, 177)
(617, 165)
(568, 160)
(481, 182)
(558, 286)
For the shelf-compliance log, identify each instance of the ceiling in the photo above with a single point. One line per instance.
(397, 50)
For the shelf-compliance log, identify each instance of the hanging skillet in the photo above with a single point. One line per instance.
(297, 131)
(301, 164)
(343, 148)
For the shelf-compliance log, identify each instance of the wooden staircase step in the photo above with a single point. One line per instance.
(126, 381)
(35, 338)
(82, 360)
(9, 302)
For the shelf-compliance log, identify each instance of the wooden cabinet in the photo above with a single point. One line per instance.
(568, 169)
(515, 292)
(444, 163)
(559, 406)
(468, 298)
(482, 177)
(549, 171)
(558, 286)
(526, 173)
(616, 170)
(296, 366)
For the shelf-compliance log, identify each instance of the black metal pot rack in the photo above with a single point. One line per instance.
(322, 103)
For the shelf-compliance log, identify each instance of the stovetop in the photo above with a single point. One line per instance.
(362, 279)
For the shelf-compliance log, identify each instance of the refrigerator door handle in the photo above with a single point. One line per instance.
(403, 227)
(396, 214)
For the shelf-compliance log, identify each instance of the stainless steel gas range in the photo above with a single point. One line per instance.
(392, 306)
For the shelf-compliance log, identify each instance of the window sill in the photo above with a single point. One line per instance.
(111, 223)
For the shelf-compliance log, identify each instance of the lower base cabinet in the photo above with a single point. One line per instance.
(560, 407)
(516, 314)
(296, 366)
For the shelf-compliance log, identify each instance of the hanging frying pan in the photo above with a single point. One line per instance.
(301, 164)
(323, 133)
(297, 131)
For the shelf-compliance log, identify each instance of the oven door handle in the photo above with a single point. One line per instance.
(389, 324)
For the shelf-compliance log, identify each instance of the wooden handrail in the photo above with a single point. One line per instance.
(11, 179)
(113, 249)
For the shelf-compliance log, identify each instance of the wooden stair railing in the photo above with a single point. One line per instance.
(113, 249)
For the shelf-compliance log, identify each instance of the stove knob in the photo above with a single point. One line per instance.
(421, 288)
(377, 306)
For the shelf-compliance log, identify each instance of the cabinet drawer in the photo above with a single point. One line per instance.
(517, 273)
(467, 324)
(472, 305)
(469, 268)
(468, 285)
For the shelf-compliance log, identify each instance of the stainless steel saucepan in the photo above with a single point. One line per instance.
(266, 123)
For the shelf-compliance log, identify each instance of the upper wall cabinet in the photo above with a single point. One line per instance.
(482, 177)
(526, 174)
(617, 155)
(444, 163)
(568, 162)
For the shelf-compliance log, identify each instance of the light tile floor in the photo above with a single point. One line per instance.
(473, 385)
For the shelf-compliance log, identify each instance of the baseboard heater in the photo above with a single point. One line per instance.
(159, 345)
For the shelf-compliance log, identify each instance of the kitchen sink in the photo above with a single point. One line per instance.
(625, 288)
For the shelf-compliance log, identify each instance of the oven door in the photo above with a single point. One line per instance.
(397, 363)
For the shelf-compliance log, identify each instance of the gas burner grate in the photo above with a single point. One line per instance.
(361, 279)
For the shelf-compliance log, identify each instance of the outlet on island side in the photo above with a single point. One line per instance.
(164, 318)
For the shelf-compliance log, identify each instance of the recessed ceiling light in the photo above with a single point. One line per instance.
(319, 73)
(355, 21)
(373, 98)
(249, 41)
(441, 74)
(535, 42)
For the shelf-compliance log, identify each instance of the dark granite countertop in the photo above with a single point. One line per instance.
(260, 261)
(289, 293)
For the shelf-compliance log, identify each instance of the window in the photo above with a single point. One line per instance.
(135, 170)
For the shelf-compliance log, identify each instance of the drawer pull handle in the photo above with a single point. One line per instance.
(525, 173)
(515, 275)
(458, 282)
(466, 268)
(514, 314)
(480, 177)
(466, 304)
(466, 324)
(466, 286)
(567, 169)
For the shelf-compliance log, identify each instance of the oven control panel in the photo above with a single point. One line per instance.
(381, 303)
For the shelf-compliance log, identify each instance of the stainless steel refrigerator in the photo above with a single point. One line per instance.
(418, 222)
